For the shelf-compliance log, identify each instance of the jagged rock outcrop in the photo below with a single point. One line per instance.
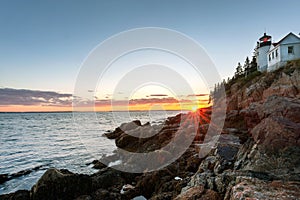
(283, 82)
(264, 114)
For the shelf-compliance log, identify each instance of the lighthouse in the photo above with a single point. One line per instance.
(263, 47)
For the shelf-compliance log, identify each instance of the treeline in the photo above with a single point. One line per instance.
(242, 72)
(246, 69)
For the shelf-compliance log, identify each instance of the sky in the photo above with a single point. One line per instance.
(44, 43)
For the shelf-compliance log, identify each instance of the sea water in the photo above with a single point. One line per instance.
(63, 140)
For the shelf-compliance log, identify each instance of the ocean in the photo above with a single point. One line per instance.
(65, 140)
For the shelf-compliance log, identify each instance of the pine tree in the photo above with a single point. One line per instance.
(239, 70)
(247, 67)
(253, 64)
(224, 82)
(215, 89)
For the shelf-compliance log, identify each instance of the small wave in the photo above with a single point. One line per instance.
(117, 162)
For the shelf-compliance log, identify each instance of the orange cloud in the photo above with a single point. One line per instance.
(15, 100)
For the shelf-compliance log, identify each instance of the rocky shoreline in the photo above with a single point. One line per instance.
(255, 157)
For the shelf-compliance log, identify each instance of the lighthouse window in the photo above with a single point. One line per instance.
(290, 49)
(276, 53)
(273, 55)
(269, 57)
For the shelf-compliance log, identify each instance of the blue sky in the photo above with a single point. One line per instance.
(43, 43)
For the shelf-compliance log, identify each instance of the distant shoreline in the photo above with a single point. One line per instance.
(89, 111)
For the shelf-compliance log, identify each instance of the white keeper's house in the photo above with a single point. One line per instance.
(271, 56)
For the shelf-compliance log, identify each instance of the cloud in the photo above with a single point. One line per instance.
(25, 97)
(153, 101)
(131, 102)
(203, 100)
(197, 95)
(158, 95)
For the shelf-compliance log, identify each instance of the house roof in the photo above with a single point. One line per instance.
(275, 44)
(291, 33)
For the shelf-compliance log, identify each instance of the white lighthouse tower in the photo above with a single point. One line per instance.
(262, 52)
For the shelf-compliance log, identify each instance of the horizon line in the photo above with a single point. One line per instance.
(1, 112)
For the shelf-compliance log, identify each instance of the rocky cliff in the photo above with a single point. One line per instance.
(257, 156)
(264, 113)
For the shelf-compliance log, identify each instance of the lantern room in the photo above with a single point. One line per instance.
(265, 40)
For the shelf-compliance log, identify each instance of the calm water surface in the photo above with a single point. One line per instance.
(61, 140)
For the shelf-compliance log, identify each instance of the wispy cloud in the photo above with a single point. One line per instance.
(25, 97)
(10, 96)
(158, 95)
(151, 101)
(198, 95)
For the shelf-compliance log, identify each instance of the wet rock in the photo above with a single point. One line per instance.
(148, 183)
(131, 125)
(192, 163)
(123, 128)
(113, 135)
(3, 178)
(98, 165)
(146, 138)
(18, 195)
(7, 177)
(174, 120)
(61, 184)
(127, 142)
(21, 173)
(107, 178)
(163, 196)
(84, 197)
(162, 184)
(102, 194)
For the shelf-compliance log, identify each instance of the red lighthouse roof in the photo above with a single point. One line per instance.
(265, 38)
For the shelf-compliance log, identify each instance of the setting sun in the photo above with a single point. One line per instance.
(194, 108)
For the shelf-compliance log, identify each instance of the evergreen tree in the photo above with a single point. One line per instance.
(215, 89)
(247, 66)
(239, 70)
(224, 82)
(253, 64)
